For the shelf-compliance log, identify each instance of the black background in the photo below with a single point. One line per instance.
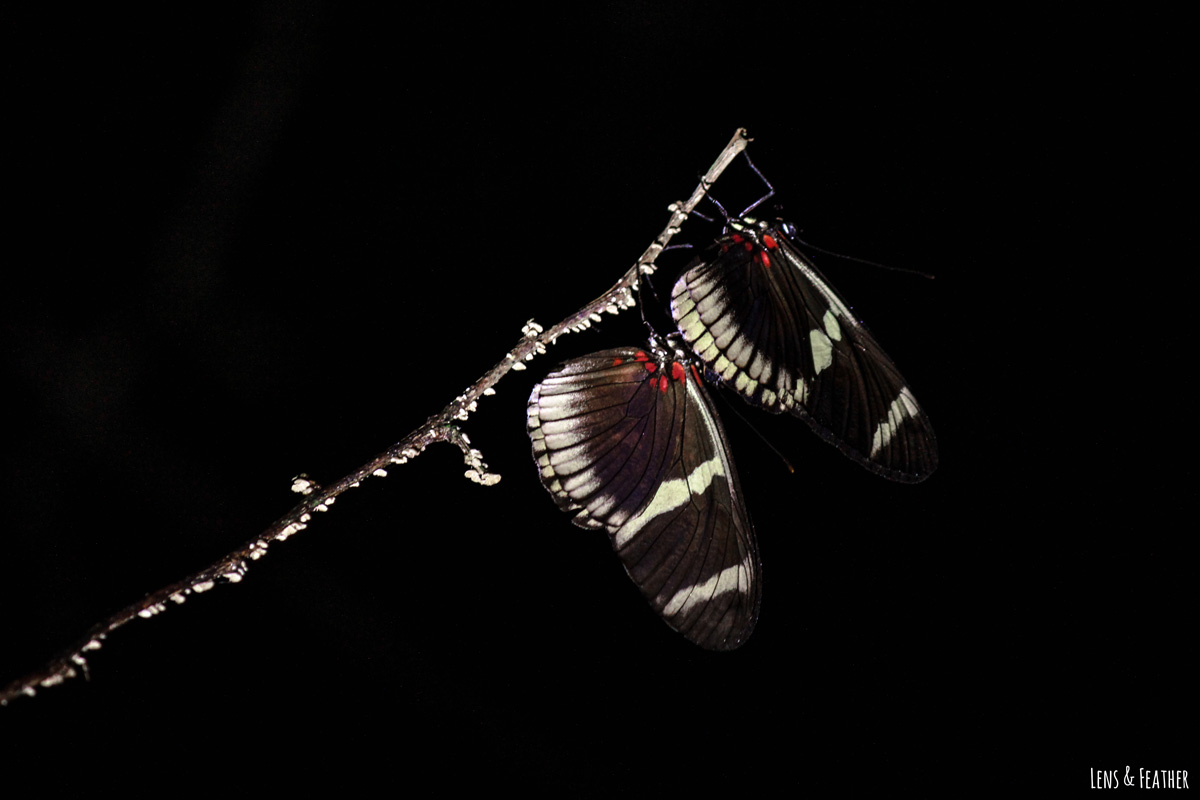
(248, 243)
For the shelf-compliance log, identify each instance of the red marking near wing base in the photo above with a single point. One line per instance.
(696, 375)
(762, 256)
(651, 366)
(663, 383)
(677, 371)
(737, 237)
(640, 355)
(617, 361)
(769, 241)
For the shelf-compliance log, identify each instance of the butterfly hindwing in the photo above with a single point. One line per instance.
(627, 440)
(760, 316)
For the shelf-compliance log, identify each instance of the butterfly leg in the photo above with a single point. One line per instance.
(770, 189)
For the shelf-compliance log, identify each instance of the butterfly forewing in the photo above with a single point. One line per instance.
(762, 318)
(628, 440)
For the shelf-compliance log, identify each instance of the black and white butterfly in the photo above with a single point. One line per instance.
(768, 324)
(627, 440)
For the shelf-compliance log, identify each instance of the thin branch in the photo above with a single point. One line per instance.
(442, 427)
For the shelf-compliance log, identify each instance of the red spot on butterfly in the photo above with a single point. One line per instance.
(617, 362)
(769, 241)
(762, 256)
(696, 375)
(677, 371)
(651, 366)
(662, 383)
(737, 237)
(749, 246)
(640, 355)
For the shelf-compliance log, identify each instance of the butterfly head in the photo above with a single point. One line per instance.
(759, 232)
(672, 347)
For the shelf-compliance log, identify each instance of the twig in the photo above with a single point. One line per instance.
(442, 427)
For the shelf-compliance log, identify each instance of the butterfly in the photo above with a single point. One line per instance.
(766, 323)
(627, 440)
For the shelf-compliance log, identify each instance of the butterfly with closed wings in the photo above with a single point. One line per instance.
(627, 440)
(767, 324)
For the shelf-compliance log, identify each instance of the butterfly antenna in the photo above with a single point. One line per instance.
(928, 276)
